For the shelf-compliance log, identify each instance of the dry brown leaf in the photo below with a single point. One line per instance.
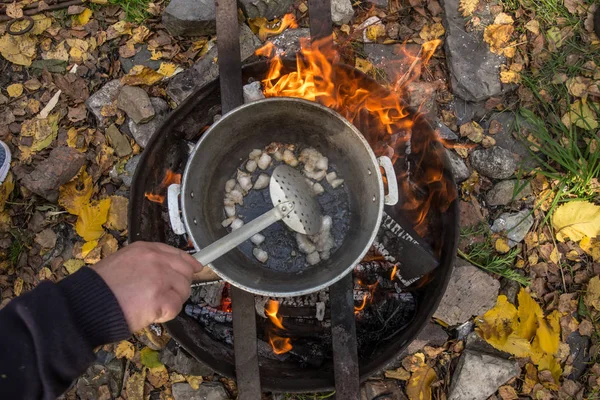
(400, 374)
(14, 10)
(141, 75)
(581, 115)
(6, 189)
(140, 34)
(73, 265)
(508, 393)
(488, 142)
(59, 53)
(431, 32)
(467, 7)
(43, 132)
(158, 376)
(472, 130)
(135, 385)
(578, 86)
(125, 349)
(533, 26)
(15, 90)
(419, 384)
(592, 294)
(363, 65)
(503, 19)
(117, 215)
(498, 37)
(79, 50)
(20, 50)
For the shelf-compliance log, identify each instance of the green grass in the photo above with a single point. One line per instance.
(135, 10)
(484, 256)
(16, 248)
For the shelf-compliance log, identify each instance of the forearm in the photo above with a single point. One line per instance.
(47, 336)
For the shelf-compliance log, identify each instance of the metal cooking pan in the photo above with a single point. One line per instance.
(306, 124)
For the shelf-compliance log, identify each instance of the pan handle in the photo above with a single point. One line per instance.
(232, 240)
(173, 193)
(391, 198)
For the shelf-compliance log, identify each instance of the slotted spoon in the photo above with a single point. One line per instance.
(293, 202)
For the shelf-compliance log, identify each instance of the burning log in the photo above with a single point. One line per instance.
(159, 194)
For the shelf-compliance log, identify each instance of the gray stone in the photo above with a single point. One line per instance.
(463, 330)
(142, 57)
(467, 111)
(432, 335)
(503, 192)
(479, 375)
(206, 69)
(459, 169)
(206, 391)
(383, 4)
(103, 97)
(288, 42)
(394, 60)
(341, 11)
(510, 289)
(516, 145)
(136, 104)
(179, 360)
(130, 168)
(381, 390)
(495, 162)
(514, 225)
(143, 132)
(118, 141)
(190, 17)
(470, 292)
(477, 344)
(265, 8)
(579, 350)
(253, 92)
(473, 67)
(444, 132)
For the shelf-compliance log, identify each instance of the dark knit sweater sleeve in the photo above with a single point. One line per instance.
(47, 336)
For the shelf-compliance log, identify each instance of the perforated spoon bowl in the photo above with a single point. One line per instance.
(293, 202)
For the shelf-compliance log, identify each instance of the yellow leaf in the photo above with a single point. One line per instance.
(400, 374)
(592, 294)
(121, 28)
(529, 314)
(374, 31)
(88, 246)
(117, 215)
(41, 23)
(510, 77)
(18, 286)
(78, 50)
(503, 19)
(555, 255)
(499, 322)
(167, 69)
(158, 376)
(363, 65)
(533, 26)
(125, 349)
(135, 385)
(502, 246)
(6, 189)
(59, 53)
(43, 131)
(141, 75)
(20, 49)
(550, 363)
(419, 384)
(591, 247)
(578, 86)
(73, 265)
(581, 115)
(547, 338)
(498, 37)
(467, 7)
(576, 219)
(431, 32)
(345, 28)
(140, 34)
(82, 18)
(472, 130)
(194, 381)
(91, 218)
(75, 195)
(15, 90)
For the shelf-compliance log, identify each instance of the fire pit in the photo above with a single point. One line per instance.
(388, 314)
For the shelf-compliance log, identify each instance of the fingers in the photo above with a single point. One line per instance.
(179, 283)
(184, 256)
(170, 307)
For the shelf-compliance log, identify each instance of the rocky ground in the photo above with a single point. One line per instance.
(512, 90)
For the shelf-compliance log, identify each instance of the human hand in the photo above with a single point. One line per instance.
(151, 281)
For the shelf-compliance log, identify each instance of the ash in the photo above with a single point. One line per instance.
(384, 307)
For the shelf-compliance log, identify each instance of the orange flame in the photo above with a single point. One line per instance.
(380, 113)
(170, 178)
(394, 272)
(280, 345)
(362, 306)
(271, 310)
(288, 20)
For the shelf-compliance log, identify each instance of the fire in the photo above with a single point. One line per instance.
(380, 113)
(280, 344)
(170, 178)
(362, 306)
(393, 275)
(288, 21)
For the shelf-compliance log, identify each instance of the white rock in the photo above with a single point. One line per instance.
(253, 92)
(228, 221)
(304, 244)
(332, 176)
(341, 11)
(245, 180)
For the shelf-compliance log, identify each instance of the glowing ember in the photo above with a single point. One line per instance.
(170, 178)
(280, 344)
(362, 306)
(394, 272)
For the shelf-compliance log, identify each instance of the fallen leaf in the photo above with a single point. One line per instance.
(59, 53)
(109, 245)
(345, 28)
(141, 75)
(586, 328)
(125, 349)
(6, 189)
(149, 358)
(15, 90)
(158, 376)
(488, 142)
(467, 7)
(194, 381)
(531, 378)
(498, 37)
(592, 294)
(578, 86)
(581, 115)
(140, 34)
(20, 49)
(73, 265)
(91, 218)
(502, 246)
(40, 24)
(510, 77)
(400, 374)
(375, 31)
(363, 65)
(76, 194)
(167, 69)
(44, 274)
(575, 220)
(508, 393)
(419, 384)
(503, 19)
(78, 52)
(433, 31)
(43, 132)
(413, 362)
(533, 26)
(118, 29)
(82, 18)
(14, 10)
(18, 286)
(135, 385)
(264, 29)
(472, 130)
(117, 214)
(88, 247)
(590, 246)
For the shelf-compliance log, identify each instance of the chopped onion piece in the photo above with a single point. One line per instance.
(277, 155)
(323, 163)
(316, 175)
(336, 183)
(260, 255)
(262, 181)
(251, 166)
(236, 196)
(254, 154)
(229, 185)
(245, 181)
(289, 158)
(332, 176)
(318, 189)
(228, 221)
(230, 211)
(310, 157)
(304, 245)
(313, 258)
(264, 161)
(236, 224)
(326, 223)
(257, 239)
